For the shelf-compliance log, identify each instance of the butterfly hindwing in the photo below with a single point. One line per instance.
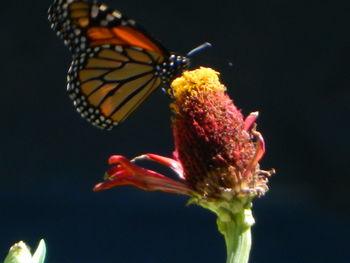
(109, 82)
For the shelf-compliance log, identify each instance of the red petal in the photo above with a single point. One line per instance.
(171, 163)
(250, 120)
(127, 173)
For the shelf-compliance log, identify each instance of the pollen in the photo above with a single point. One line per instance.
(196, 81)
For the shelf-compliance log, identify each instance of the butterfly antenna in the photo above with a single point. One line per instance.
(199, 48)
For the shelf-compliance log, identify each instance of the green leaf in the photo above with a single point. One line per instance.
(40, 253)
(20, 253)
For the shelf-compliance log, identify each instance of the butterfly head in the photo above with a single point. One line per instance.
(179, 61)
(171, 67)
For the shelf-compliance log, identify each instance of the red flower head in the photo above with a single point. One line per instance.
(216, 150)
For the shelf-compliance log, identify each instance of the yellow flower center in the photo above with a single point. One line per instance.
(196, 81)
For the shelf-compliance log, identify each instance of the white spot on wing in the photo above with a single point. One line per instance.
(110, 17)
(94, 11)
(103, 7)
(117, 14)
(119, 49)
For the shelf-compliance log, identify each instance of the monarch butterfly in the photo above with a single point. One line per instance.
(115, 65)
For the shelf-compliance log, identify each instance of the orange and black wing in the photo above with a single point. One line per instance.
(84, 23)
(116, 64)
(111, 82)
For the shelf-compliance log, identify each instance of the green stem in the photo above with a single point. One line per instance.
(237, 236)
(234, 221)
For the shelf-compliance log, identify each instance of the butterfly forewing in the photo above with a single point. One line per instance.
(116, 64)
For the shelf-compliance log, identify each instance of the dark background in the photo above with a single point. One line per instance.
(288, 59)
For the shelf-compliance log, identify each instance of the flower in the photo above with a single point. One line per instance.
(20, 253)
(216, 157)
(216, 150)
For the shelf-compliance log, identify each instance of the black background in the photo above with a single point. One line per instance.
(288, 59)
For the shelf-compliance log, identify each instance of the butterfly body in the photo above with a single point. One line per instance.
(115, 65)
